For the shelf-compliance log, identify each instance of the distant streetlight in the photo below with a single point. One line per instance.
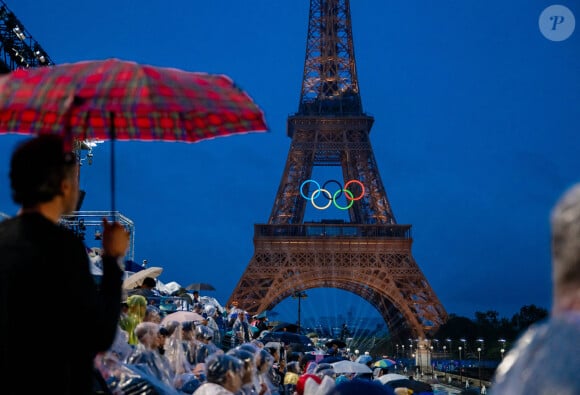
(479, 364)
(502, 341)
(445, 357)
(431, 361)
(460, 370)
(299, 295)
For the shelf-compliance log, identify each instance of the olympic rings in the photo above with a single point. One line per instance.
(322, 191)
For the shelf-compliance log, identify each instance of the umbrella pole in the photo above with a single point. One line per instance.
(113, 138)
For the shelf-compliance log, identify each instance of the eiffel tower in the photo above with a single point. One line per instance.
(369, 255)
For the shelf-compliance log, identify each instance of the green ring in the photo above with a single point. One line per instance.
(346, 192)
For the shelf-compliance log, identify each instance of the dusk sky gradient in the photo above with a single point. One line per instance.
(476, 134)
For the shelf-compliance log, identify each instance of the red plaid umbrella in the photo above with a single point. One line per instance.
(125, 101)
(120, 100)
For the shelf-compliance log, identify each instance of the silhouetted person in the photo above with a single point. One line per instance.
(36, 251)
(147, 288)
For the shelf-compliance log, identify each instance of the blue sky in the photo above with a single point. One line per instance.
(476, 134)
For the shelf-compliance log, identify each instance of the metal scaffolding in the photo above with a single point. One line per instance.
(18, 49)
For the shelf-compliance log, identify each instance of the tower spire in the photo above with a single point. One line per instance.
(330, 84)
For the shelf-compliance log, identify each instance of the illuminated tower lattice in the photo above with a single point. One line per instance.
(369, 255)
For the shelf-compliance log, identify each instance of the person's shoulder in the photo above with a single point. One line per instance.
(548, 349)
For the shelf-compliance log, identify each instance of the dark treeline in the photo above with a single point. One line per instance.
(487, 331)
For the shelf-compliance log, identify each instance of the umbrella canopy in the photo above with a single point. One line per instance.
(415, 385)
(200, 287)
(134, 101)
(136, 279)
(364, 359)
(114, 99)
(390, 377)
(281, 325)
(182, 316)
(384, 363)
(347, 366)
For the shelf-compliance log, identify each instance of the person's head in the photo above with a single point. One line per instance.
(293, 367)
(42, 170)
(137, 306)
(225, 370)
(187, 330)
(210, 310)
(264, 361)
(152, 314)
(148, 334)
(149, 283)
(203, 333)
(565, 222)
(325, 369)
(247, 358)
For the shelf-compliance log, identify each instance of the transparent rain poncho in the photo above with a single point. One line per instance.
(544, 361)
(123, 378)
(137, 308)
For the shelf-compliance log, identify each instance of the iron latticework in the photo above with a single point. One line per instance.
(17, 47)
(370, 255)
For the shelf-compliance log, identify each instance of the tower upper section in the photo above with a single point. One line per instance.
(330, 85)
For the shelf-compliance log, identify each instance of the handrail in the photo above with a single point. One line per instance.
(333, 230)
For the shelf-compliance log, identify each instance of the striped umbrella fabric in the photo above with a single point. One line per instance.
(123, 100)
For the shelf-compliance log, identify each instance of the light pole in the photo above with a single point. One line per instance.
(460, 370)
(502, 341)
(479, 365)
(431, 361)
(445, 357)
(299, 295)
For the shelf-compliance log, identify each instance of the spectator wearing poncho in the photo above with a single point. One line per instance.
(137, 306)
